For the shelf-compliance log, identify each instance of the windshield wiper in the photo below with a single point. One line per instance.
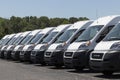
(44, 42)
(60, 41)
(113, 38)
(81, 40)
(32, 43)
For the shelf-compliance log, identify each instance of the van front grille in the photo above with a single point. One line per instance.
(97, 55)
(48, 53)
(68, 54)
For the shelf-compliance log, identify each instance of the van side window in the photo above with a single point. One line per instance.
(77, 35)
(104, 33)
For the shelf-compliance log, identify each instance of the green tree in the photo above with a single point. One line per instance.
(83, 18)
(43, 22)
(73, 19)
(27, 23)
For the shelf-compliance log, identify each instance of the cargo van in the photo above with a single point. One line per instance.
(11, 48)
(77, 54)
(29, 37)
(8, 42)
(4, 40)
(7, 52)
(26, 51)
(54, 54)
(16, 42)
(37, 55)
(106, 55)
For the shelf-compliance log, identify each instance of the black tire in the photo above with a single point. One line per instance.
(107, 73)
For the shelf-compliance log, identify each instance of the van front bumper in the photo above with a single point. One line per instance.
(37, 56)
(2, 53)
(54, 58)
(80, 58)
(15, 55)
(110, 61)
(25, 55)
(7, 54)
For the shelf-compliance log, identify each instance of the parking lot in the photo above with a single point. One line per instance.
(12, 70)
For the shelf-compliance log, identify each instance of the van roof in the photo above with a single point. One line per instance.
(46, 30)
(61, 27)
(25, 33)
(18, 34)
(105, 20)
(34, 32)
(11, 35)
(5, 36)
(80, 24)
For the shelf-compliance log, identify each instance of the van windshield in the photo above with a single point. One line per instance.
(114, 34)
(49, 37)
(6, 41)
(3, 41)
(65, 36)
(26, 39)
(36, 38)
(17, 40)
(11, 41)
(89, 33)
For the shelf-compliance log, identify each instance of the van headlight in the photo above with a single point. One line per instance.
(43, 48)
(20, 48)
(30, 48)
(84, 45)
(12, 47)
(60, 47)
(115, 46)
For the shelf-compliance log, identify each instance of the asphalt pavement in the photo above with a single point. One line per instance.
(15, 70)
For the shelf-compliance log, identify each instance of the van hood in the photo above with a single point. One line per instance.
(8, 48)
(74, 45)
(37, 47)
(27, 46)
(54, 46)
(17, 47)
(105, 45)
(4, 47)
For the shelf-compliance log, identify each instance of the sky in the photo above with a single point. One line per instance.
(91, 9)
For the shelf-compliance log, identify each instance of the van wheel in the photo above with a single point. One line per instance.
(78, 68)
(107, 73)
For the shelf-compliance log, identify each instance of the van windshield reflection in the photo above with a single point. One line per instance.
(89, 33)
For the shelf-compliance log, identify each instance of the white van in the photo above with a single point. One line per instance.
(37, 55)
(4, 40)
(106, 55)
(77, 54)
(11, 48)
(9, 41)
(29, 37)
(54, 54)
(7, 52)
(26, 51)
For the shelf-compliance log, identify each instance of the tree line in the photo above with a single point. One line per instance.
(20, 24)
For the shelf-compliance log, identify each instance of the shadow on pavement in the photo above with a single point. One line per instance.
(58, 68)
(114, 76)
(83, 71)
